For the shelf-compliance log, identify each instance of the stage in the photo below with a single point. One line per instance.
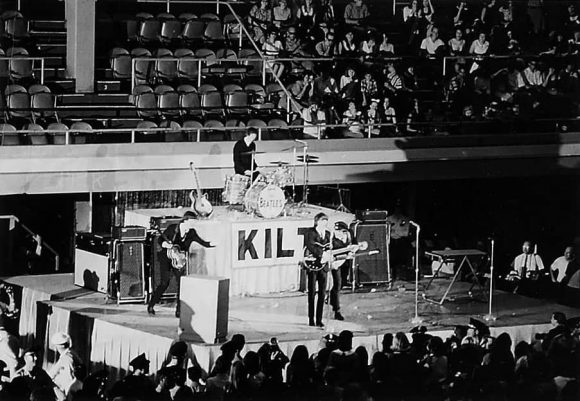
(111, 334)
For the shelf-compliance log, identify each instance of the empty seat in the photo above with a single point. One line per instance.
(193, 31)
(15, 51)
(165, 70)
(184, 17)
(278, 130)
(43, 105)
(168, 104)
(214, 131)
(14, 88)
(213, 32)
(237, 103)
(37, 136)
(235, 134)
(10, 135)
(260, 125)
(161, 89)
(21, 69)
(144, 65)
(165, 17)
(232, 88)
(138, 90)
(212, 103)
(38, 88)
(209, 17)
(121, 65)
(183, 52)
(207, 88)
(188, 69)
(16, 29)
(18, 105)
(117, 51)
(257, 97)
(209, 60)
(186, 88)
(146, 104)
(229, 60)
(170, 31)
(58, 138)
(149, 31)
(190, 104)
(80, 131)
(146, 136)
(193, 129)
(172, 136)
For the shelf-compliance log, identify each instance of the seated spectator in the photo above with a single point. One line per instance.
(435, 363)
(326, 88)
(293, 45)
(282, 15)
(272, 47)
(356, 13)
(368, 49)
(415, 118)
(431, 43)
(373, 118)
(314, 120)
(388, 116)
(302, 90)
(559, 326)
(327, 13)
(393, 83)
(528, 264)
(260, 18)
(172, 384)
(348, 83)
(411, 12)
(348, 47)
(307, 14)
(352, 118)
(369, 88)
(531, 77)
(326, 48)
(427, 11)
(66, 372)
(386, 48)
(457, 43)
(564, 266)
(344, 365)
(479, 46)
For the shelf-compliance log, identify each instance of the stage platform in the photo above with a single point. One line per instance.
(111, 334)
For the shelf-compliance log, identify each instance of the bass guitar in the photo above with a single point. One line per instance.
(312, 263)
(199, 203)
(177, 256)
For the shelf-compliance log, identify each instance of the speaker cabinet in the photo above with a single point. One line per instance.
(204, 308)
(130, 271)
(372, 268)
(154, 271)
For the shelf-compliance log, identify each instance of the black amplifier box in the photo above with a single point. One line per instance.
(371, 215)
(130, 233)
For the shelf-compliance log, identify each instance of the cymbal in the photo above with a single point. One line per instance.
(252, 152)
(279, 163)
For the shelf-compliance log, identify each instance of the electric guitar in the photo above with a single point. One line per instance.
(312, 263)
(199, 203)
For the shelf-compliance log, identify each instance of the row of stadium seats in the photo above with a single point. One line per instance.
(35, 103)
(182, 64)
(166, 102)
(13, 137)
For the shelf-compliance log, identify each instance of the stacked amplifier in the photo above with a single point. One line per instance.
(372, 226)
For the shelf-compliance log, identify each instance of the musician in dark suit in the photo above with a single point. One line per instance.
(341, 238)
(317, 242)
(180, 235)
(244, 161)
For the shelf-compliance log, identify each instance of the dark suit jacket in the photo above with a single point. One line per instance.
(313, 241)
(172, 235)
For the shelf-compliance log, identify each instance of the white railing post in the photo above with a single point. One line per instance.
(168, 6)
(263, 72)
(259, 133)
(444, 66)
(42, 71)
(132, 136)
(198, 73)
(133, 63)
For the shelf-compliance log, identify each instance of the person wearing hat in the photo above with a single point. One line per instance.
(137, 383)
(67, 369)
(341, 238)
(318, 242)
(175, 237)
(31, 369)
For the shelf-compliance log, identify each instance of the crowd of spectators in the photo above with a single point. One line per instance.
(471, 364)
(470, 67)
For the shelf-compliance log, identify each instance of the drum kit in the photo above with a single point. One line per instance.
(265, 196)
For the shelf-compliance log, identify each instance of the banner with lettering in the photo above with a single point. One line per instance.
(269, 242)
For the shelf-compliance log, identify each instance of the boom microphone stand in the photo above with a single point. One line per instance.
(490, 317)
(416, 319)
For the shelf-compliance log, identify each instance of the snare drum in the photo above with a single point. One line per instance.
(265, 200)
(235, 189)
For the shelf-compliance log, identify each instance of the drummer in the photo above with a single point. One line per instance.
(244, 154)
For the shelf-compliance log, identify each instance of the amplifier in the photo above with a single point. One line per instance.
(371, 215)
(130, 233)
(161, 223)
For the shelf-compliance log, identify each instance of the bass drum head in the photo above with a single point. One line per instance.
(267, 201)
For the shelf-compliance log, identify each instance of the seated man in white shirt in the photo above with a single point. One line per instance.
(432, 42)
(564, 266)
(528, 264)
(314, 120)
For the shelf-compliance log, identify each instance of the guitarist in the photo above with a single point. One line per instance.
(182, 236)
(318, 241)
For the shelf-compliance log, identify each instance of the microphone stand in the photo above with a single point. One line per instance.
(416, 319)
(490, 317)
(305, 172)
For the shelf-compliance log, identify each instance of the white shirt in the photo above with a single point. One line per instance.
(430, 45)
(559, 267)
(532, 262)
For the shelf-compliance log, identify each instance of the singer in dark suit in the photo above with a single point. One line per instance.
(317, 242)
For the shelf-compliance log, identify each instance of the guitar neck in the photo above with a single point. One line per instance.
(198, 188)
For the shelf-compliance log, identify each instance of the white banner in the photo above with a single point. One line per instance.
(267, 243)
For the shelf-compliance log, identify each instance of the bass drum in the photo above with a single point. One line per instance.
(265, 200)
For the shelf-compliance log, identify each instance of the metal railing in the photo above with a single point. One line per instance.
(13, 220)
(308, 131)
